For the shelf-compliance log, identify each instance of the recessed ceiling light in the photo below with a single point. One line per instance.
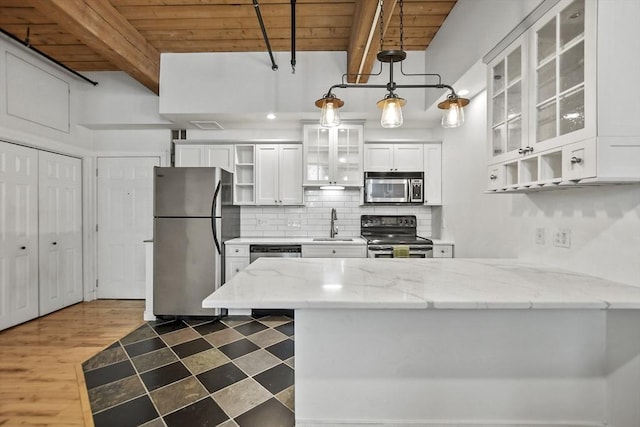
(271, 116)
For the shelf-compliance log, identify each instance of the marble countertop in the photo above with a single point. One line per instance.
(445, 283)
(307, 241)
(294, 241)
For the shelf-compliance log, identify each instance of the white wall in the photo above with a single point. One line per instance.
(604, 221)
(472, 29)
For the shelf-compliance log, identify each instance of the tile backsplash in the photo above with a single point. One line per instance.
(313, 219)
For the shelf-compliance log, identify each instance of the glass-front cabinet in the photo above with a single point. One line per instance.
(508, 103)
(560, 58)
(333, 155)
(553, 112)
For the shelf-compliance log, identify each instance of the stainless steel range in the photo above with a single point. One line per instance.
(390, 236)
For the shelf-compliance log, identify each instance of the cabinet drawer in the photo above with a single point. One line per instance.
(322, 251)
(442, 251)
(237, 250)
(579, 160)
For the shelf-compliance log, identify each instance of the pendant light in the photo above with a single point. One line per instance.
(391, 111)
(392, 104)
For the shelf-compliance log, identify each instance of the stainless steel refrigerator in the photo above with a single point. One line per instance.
(193, 216)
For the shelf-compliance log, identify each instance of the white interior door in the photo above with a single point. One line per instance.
(18, 234)
(125, 220)
(60, 231)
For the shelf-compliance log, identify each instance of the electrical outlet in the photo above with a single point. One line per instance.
(261, 222)
(540, 236)
(562, 238)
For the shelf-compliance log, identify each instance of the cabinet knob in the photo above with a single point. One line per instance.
(333, 251)
(575, 160)
(493, 177)
(237, 250)
(520, 150)
(54, 243)
(442, 251)
(23, 247)
(237, 270)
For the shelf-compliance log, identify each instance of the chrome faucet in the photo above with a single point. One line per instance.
(334, 218)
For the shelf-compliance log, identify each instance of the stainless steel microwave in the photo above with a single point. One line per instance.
(394, 187)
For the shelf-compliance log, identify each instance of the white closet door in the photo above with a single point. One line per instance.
(60, 223)
(18, 234)
(125, 220)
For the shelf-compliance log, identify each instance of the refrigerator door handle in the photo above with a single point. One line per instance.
(213, 217)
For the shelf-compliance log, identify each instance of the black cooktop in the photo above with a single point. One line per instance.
(391, 230)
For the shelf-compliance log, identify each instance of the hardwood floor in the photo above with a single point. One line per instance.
(38, 360)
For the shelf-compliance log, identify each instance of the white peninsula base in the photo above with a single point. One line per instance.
(451, 342)
(467, 368)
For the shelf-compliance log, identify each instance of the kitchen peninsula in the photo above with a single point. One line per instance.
(452, 341)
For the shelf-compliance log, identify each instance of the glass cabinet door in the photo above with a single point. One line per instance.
(317, 144)
(348, 151)
(560, 73)
(507, 102)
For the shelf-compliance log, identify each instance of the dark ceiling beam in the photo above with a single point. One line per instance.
(102, 28)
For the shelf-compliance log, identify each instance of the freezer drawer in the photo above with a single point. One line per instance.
(186, 266)
(185, 192)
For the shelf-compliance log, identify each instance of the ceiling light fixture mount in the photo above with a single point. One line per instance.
(392, 104)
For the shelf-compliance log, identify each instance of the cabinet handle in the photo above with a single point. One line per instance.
(520, 150)
(237, 250)
(525, 150)
(493, 177)
(575, 160)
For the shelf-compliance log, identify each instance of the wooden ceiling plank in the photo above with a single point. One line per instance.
(270, 23)
(230, 11)
(104, 30)
(239, 34)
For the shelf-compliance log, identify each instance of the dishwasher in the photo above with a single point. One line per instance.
(273, 251)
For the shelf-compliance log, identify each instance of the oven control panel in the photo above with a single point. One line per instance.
(388, 221)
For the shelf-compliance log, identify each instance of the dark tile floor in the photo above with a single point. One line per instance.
(233, 372)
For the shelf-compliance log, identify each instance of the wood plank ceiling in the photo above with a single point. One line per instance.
(130, 35)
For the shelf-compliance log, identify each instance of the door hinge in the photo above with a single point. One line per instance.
(96, 283)
(96, 227)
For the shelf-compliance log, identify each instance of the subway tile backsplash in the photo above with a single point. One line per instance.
(313, 219)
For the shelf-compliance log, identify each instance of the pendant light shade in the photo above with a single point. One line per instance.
(330, 115)
(391, 111)
(453, 115)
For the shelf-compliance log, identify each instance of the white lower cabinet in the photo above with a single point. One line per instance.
(236, 260)
(40, 270)
(442, 251)
(334, 251)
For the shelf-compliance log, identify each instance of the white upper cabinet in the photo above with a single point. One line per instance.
(206, 155)
(555, 115)
(393, 157)
(279, 174)
(333, 155)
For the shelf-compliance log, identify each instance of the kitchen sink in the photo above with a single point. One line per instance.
(332, 239)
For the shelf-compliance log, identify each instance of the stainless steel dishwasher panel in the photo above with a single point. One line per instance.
(274, 251)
